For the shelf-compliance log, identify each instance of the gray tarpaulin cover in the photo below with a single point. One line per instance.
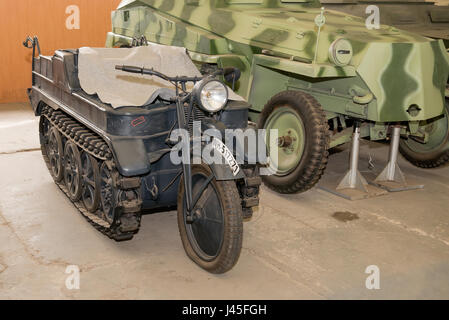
(97, 73)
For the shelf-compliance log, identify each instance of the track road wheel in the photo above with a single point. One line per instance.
(107, 192)
(90, 174)
(55, 154)
(44, 129)
(433, 153)
(213, 239)
(303, 141)
(72, 171)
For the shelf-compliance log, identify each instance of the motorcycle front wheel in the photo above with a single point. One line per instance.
(212, 238)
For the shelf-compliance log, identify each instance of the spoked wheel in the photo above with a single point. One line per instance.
(302, 143)
(44, 129)
(90, 174)
(55, 154)
(107, 192)
(213, 237)
(72, 171)
(433, 153)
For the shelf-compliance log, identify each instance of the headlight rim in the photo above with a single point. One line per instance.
(199, 88)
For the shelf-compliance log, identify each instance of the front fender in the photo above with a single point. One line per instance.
(222, 172)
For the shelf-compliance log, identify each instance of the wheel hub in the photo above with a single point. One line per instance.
(290, 141)
(284, 141)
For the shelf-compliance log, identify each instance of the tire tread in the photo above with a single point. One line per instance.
(319, 142)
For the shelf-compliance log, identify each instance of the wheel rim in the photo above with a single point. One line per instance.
(206, 232)
(291, 138)
(107, 192)
(90, 176)
(55, 154)
(438, 131)
(72, 170)
(44, 129)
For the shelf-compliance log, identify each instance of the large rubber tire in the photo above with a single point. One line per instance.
(310, 166)
(433, 154)
(231, 235)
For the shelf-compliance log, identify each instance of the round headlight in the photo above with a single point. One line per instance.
(340, 52)
(212, 95)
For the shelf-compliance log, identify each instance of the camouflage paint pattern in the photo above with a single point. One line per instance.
(422, 17)
(273, 42)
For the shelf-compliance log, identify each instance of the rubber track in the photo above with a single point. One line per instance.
(97, 147)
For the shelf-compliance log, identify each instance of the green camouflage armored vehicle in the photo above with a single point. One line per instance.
(422, 17)
(308, 72)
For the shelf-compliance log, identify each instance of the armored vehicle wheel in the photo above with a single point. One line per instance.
(433, 153)
(72, 171)
(55, 154)
(90, 174)
(212, 238)
(107, 192)
(303, 140)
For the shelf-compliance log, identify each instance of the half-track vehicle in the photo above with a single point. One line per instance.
(309, 72)
(114, 160)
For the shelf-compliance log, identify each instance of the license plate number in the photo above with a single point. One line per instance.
(227, 155)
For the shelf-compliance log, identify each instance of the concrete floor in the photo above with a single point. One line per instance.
(294, 247)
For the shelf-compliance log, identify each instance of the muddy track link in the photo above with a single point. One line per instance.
(127, 215)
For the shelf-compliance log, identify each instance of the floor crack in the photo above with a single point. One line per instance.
(405, 227)
(29, 251)
(20, 151)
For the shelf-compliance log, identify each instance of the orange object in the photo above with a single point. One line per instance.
(47, 20)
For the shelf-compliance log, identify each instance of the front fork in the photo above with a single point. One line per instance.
(186, 166)
(186, 163)
(248, 186)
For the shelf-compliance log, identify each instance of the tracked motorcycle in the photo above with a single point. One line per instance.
(115, 162)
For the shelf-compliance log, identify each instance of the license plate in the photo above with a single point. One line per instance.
(227, 155)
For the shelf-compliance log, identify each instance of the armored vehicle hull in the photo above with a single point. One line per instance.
(421, 17)
(307, 73)
(427, 19)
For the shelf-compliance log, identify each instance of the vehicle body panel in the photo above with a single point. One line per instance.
(136, 135)
(422, 17)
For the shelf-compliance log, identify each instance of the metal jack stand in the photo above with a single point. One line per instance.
(353, 186)
(391, 178)
(353, 178)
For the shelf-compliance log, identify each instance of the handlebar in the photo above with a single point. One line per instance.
(230, 74)
(151, 72)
